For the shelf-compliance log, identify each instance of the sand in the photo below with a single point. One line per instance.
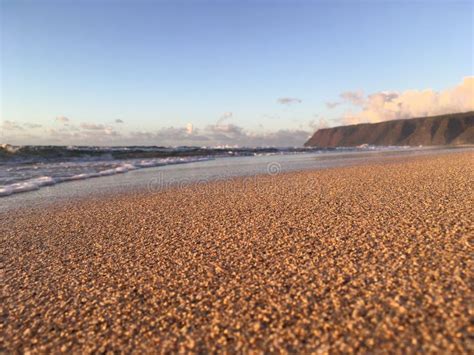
(372, 258)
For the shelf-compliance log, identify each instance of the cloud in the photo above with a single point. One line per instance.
(11, 126)
(289, 100)
(233, 135)
(118, 120)
(228, 134)
(68, 128)
(332, 104)
(62, 119)
(271, 116)
(224, 131)
(220, 135)
(168, 136)
(318, 124)
(62, 135)
(92, 137)
(354, 97)
(282, 138)
(93, 126)
(189, 128)
(386, 105)
(84, 134)
(111, 132)
(224, 117)
(32, 125)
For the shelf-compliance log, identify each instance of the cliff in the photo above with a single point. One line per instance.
(452, 129)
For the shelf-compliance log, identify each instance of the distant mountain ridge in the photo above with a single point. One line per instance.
(450, 129)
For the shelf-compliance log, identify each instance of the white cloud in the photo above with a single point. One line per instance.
(211, 135)
(92, 137)
(271, 116)
(332, 104)
(390, 105)
(32, 125)
(354, 97)
(289, 100)
(224, 117)
(167, 136)
(11, 126)
(62, 119)
(189, 128)
(118, 120)
(219, 135)
(231, 134)
(318, 124)
(93, 126)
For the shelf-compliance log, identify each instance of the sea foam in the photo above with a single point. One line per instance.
(63, 174)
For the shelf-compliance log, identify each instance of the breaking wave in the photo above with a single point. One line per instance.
(23, 178)
(28, 168)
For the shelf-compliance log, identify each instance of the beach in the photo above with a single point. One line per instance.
(375, 257)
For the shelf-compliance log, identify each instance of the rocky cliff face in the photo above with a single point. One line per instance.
(437, 130)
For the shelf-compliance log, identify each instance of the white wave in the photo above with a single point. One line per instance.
(27, 185)
(37, 183)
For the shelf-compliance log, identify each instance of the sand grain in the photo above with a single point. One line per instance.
(368, 258)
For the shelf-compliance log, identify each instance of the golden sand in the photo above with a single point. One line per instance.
(369, 258)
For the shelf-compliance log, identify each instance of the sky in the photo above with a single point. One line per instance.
(208, 73)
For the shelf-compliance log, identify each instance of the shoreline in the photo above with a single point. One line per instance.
(59, 194)
(371, 257)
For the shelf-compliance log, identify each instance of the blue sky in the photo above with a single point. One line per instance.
(160, 66)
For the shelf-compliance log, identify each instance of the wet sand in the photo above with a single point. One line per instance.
(369, 258)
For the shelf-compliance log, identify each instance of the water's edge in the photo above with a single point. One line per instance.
(155, 179)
